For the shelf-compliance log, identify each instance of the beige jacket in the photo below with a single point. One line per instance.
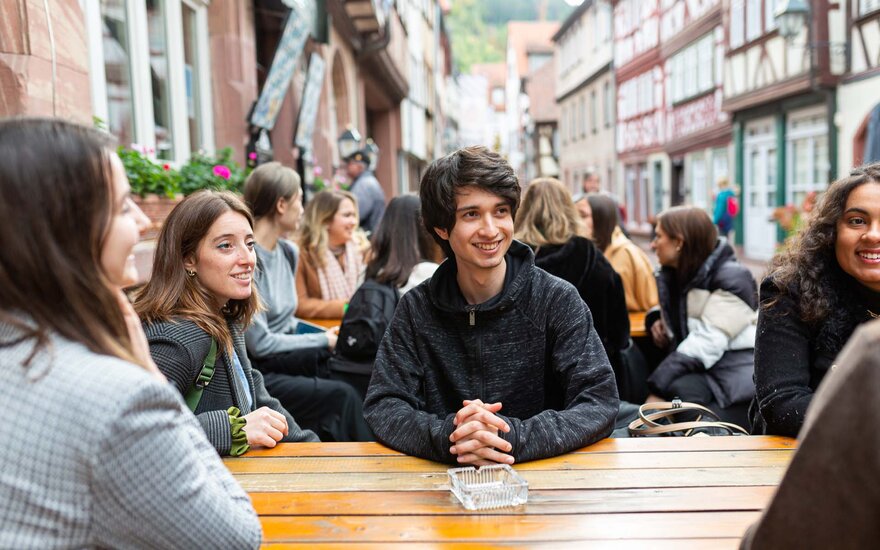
(636, 271)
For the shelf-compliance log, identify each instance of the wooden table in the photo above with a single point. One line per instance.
(682, 493)
(326, 323)
(637, 324)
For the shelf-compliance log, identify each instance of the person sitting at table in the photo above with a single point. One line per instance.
(402, 256)
(829, 495)
(195, 307)
(331, 262)
(488, 332)
(824, 283)
(293, 363)
(627, 259)
(707, 316)
(548, 222)
(96, 438)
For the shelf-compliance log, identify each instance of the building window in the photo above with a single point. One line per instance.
(150, 74)
(807, 158)
(497, 95)
(608, 105)
(769, 15)
(593, 117)
(737, 26)
(753, 19)
(117, 70)
(583, 117)
(699, 181)
(563, 123)
(868, 6)
(691, 70)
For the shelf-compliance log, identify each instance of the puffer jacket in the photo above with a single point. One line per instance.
(532, 348)
(714, 330)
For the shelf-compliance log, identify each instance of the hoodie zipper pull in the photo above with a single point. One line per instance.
(472, 316)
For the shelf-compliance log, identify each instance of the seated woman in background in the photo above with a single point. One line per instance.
(101, 439)
(823, 285)
(293, 363)
(708, 304)
(195, 307)
(627, 259)
(548, 222)
(331, 263)
(403, 255)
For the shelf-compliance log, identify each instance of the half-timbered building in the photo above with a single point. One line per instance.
(859, 91)
(641, 122)
(781, 93)
(698, 131)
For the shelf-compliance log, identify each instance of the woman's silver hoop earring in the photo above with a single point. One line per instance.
(191, 272)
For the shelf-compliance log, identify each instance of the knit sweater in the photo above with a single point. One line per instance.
(179, 349)
(532, 348)
(792, 356)
(272, 330)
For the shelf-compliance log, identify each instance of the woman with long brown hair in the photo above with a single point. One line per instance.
(331, 262)
(549, 223)
(195, 308)
(108, 441)
(824, 284)
(708, 304)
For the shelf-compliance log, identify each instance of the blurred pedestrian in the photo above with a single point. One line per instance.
(726, 208)
(366, 188)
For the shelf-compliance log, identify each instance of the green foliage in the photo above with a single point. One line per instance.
(478, 28)
(212, 172)
(201, 172)
(147, 176)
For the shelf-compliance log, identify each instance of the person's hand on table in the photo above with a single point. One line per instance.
(654, 399)
(264, 427)
(659, 334)
(476, 440)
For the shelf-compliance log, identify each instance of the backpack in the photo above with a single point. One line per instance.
(368, 315)
(732, 206)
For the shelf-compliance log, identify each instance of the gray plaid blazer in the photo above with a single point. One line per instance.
(104, 455)
(179, 348)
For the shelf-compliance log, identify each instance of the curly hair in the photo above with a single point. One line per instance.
(807, 269)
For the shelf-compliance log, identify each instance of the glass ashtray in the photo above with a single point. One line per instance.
(489, 487)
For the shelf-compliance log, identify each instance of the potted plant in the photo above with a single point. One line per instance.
(212, 172)
(155, 187)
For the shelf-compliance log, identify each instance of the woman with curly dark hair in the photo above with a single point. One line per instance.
(817, 291)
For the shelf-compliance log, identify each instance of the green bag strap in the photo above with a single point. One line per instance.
(194, 394)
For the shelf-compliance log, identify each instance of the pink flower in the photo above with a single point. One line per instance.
(222, 171)
(252, 155)
(318, 170)
(166, 167)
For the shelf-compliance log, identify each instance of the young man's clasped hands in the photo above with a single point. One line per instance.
(475, 439)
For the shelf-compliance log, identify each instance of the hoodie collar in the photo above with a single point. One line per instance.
(446, 295)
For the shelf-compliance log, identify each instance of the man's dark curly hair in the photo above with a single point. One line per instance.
(472, 166)
(807, 269)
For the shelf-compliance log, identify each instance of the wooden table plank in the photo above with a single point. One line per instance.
(325, 323)
(637, 324)
(564, 501)
(624, 445)
(582, 461)
(571, 479)
(524, 528)
(653, 544)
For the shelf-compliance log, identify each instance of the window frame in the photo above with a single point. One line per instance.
(141, 87)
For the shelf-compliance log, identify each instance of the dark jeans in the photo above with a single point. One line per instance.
(300, 380)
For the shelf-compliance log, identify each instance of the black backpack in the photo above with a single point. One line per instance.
(368, 315)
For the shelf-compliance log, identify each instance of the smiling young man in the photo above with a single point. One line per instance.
(492, 360)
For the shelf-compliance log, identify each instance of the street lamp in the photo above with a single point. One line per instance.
(791, 15)
(349, 142)
(372, 153)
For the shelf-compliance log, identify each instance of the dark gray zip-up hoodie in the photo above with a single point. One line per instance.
(533, 348)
